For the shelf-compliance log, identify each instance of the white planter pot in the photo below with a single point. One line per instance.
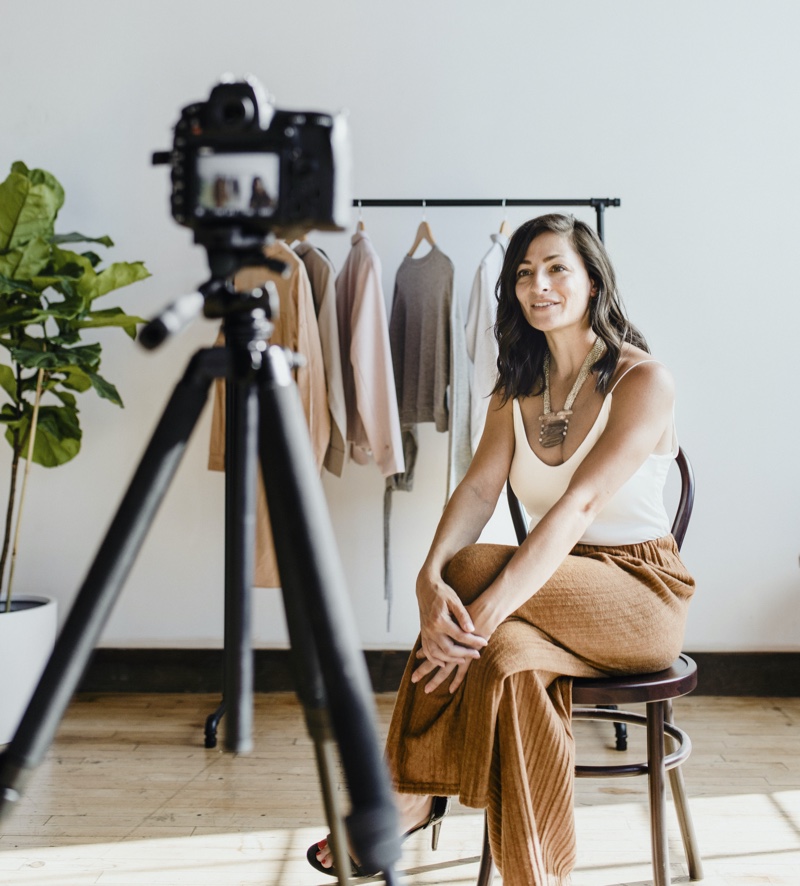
(27, 637)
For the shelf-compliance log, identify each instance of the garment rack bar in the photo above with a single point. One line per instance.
(598, 203)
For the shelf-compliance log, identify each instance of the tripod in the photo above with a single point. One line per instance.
(264, 425)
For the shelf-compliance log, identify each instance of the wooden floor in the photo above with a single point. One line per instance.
(128, 796)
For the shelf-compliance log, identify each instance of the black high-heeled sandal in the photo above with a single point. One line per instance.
(439, 808)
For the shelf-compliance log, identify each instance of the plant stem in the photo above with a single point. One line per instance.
(29, 460)
(16, 449)
(12, 497)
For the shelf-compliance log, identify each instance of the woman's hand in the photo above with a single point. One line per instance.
(483, 622)
(440, 674)
(448, 634)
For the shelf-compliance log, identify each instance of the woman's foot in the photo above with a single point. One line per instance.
(414, 809)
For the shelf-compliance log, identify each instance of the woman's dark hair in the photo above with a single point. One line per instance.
(521, 347)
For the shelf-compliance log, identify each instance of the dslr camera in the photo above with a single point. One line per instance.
(243, 170)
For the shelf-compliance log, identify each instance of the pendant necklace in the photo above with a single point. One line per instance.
(553, 425)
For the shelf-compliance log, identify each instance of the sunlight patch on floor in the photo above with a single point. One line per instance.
(613, 842)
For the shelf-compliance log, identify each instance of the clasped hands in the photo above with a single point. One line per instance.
(452, 634)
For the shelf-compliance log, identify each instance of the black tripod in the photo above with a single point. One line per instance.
(264, 425)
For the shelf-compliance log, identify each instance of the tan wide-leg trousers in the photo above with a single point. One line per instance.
(504, 740)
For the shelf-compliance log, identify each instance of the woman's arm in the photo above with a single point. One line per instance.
(448, 634)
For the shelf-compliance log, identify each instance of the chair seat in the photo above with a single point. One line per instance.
(680, 678)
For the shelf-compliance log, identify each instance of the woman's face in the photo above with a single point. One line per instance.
(553, 287)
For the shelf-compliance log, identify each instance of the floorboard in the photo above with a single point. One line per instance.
(128, 796)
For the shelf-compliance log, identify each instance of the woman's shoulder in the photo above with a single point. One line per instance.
(637, 370)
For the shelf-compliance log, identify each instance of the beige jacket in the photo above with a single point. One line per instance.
(373, 425)
(295, 328)
(321, 274)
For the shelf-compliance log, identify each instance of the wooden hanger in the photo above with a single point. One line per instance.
(360, 226)
(423, 233)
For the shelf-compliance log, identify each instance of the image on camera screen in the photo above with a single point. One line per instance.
(237, 184)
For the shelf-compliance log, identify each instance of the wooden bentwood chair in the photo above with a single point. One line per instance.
(656, 691)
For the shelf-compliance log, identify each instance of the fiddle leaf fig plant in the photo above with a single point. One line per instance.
(49, 294)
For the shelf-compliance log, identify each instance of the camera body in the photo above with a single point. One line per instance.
(243, 170)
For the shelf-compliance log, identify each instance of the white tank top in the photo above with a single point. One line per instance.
(635, 513)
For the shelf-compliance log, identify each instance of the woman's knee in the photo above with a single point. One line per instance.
(475, 567)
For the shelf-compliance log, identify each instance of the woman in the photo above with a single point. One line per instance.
(259, 198)
(597, 586)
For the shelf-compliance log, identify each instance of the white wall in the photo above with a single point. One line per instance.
(685, 110)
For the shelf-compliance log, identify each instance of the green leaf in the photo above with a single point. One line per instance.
(29, 204)
(104, 388)
(67, 259)
(9, 416)
(66, 334)
(92, 257)
(22, 314)
(35, 257)
(56, 358)
(110, 317)
(119, 274)
(76, 379)
(75, 237)
(10, 287)
(8, 382)
(66, 398)
(58, 435)
(70, 307)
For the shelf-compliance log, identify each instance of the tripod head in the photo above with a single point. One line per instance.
(218, 297)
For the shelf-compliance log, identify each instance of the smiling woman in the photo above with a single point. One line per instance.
(596, 587)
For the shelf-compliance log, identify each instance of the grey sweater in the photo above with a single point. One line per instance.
(429, 357)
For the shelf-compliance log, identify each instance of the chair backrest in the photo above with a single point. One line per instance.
(682, 513)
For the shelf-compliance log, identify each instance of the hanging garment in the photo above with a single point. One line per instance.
(481, 341)
(429, 356)
(321, 275)
(373, 427)
(295, 328)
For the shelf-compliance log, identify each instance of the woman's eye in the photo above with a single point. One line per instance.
(558, 268)
(522, 272)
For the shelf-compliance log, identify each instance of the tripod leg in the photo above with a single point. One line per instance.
(241, 479)
(330, 669)
(241, 447)
(327, 776)
(107, 573)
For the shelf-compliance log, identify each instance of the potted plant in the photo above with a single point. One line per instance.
(49, 295)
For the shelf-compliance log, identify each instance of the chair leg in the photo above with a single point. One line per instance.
(688, 835)
(657, 791)
(486, 872)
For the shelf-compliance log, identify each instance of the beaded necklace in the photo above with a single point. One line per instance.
(553, 425)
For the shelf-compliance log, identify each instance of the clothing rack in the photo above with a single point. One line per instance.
(598, 203)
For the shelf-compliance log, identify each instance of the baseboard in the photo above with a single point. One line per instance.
(200, 670)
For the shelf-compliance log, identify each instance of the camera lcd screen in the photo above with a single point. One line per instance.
(237, 184)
